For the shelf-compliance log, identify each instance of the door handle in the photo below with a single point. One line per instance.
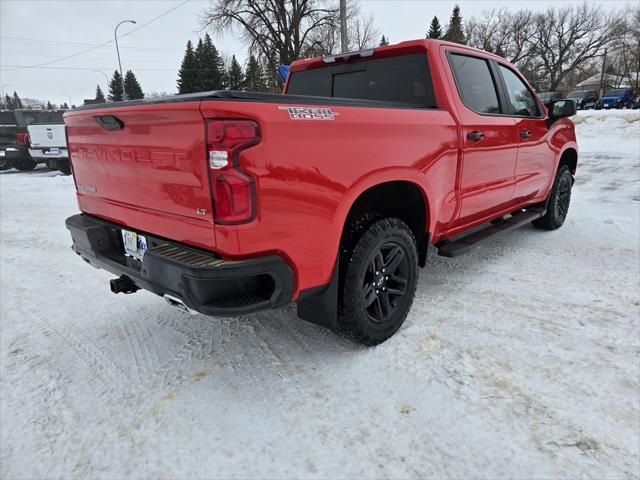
(525, 133)
(475, 136)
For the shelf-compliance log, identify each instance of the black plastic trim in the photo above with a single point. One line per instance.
(201, 279)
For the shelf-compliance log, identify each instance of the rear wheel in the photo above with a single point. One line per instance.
(64, 166)
(559, 200)
(26, 163)
(379, 275)
(5, 163)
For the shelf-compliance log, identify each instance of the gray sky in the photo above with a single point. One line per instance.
(33, 32)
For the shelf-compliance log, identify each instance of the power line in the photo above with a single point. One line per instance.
(60, 43)
(104, 43)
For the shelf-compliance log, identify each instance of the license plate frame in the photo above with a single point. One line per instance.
(53, 151)
(135, 245)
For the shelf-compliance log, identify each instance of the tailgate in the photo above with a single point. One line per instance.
(51, 135)
(144, 166)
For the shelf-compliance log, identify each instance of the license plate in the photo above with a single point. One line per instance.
(134, 245)
(52, 151)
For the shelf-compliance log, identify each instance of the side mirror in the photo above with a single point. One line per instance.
(562, 108)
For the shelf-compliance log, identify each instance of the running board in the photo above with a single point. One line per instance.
(453, 248)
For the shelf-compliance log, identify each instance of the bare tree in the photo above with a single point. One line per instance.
(625, 53)
(570, 38)
(278, 29)
(551, 47)
(362, 33)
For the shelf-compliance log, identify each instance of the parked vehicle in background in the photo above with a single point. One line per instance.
(48, 142)
(329, 195)
(616, 98)
(14, 143)
(636, 102)
(584, 98)
(14, 136)
(548, 97)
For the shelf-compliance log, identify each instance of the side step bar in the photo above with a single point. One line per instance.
(453, 248)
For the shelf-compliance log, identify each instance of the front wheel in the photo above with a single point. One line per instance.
(559, 200)
(379, 275)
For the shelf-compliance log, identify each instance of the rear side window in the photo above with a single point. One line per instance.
(475, 83)
(522, 101)
(403, 79)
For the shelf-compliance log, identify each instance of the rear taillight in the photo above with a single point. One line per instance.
(22, 138)
(232, 189)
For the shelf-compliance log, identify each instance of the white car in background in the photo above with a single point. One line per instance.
(48, 143)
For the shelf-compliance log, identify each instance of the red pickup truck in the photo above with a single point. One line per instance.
(331, 194)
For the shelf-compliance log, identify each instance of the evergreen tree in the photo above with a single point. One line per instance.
(235, 76)
(254, 80)
(210, 66)
(99, 95)
(8, 102)
(132, 87)
(64, 106)
(384, 41)
(188, 73)
(17, 103)
(49, 106)
(115, 87)
(454, 30)
(435, 30)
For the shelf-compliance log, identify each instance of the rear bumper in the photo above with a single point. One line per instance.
(15, 152)
(41, 155)
(203, 281)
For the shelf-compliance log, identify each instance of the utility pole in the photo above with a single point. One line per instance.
(604, 64)
(343, 25)
(115, 34)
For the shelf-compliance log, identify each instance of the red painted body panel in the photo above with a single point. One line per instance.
(152, 175)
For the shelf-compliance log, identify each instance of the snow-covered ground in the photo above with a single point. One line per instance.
(519, 360)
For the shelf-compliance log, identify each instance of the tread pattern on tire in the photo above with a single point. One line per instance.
(549, 221)
(363, 234)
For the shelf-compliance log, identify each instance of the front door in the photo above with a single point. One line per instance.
(490, 141)
(535, 163)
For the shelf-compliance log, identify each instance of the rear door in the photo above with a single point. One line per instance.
(535, 162)
(489, 138)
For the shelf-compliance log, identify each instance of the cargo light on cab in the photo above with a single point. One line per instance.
(232, 189)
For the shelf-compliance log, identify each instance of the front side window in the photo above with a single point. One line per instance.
(475, 83)
(522, 101)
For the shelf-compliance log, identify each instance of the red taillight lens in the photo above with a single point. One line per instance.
(232, 189)
(22, 137)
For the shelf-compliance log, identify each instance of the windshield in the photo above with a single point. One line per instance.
(618, 92)
(581, 94)
(402, 79)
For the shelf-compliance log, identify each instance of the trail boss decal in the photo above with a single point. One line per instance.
(310, 113)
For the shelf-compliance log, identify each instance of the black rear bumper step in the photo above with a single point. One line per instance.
(453, 248)
(200, 279)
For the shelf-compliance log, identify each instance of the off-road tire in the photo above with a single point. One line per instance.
(390, 244)
(559, 201)
(26, 164)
